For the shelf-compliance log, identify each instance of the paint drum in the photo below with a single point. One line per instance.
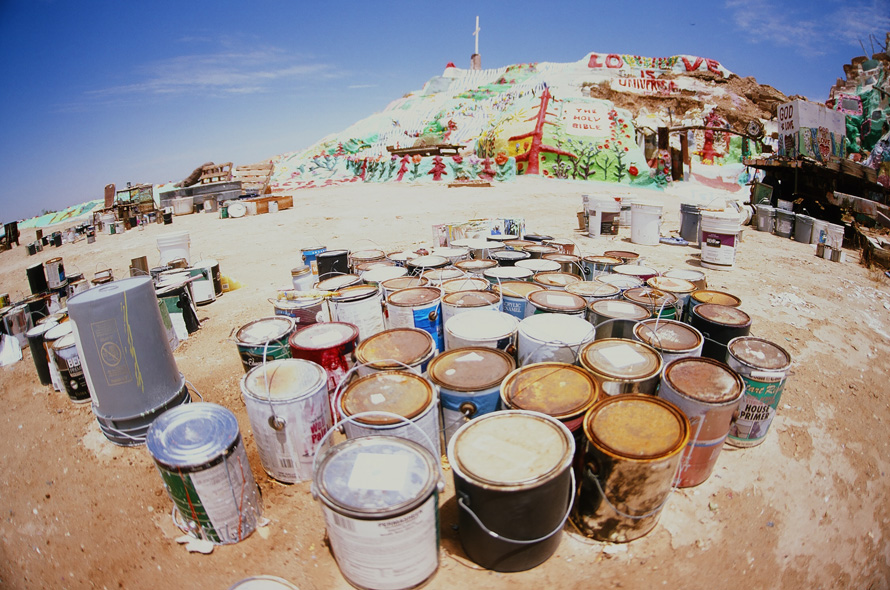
(397, 349)
(514, 487)
(555, 281)
(623, 282)
(596, 265)
(464, 301)
(198, 451)
(556, 302)
(215, 275)
(290, 412)
(615, 318)
(501, 274)
(464, 284)
(475, 268)
(592, 291)
(417, 307)
(303, 311)
(38, 352)
(55, 273)
(658, 303)
(622, 366)
(70, 369)
(437, 276)
(50, 337)
(708, 392)
(514, 296)
(633, 448)
(719, 324)
(380, 502)
(401, 393)
(416, 266)
(331, 345)
(264, 339)
(672, 339)
(332, 262)
(469, 381)
(482, 327)
(709, 296)
(552, 337)
(37, 279)
(696, 277)
(390, 286)
(763, 366)
(680, 288)
(361, 306)
(364, 256)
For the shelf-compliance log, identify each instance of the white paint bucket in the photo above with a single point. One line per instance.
(603, 217)
(451, 254)
(720, 239)
(623, 282)
(174, 245)
(645, 225)
(592, 291)
(507, 273)
(552, 337)
(437, 276)
(556, 280)
(835, 237)
(482, 327)
(537, 265)
(464, 301)
(680, 288)
(696, 277)
(390, 286)
(289, 411)
(820, 232)
(361, 306)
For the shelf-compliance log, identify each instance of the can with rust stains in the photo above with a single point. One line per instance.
(417, 307)
(719, 324)
(622, 366)
(396, 349)
(551, 301)
(598, 265)
(672, 339)
(514, 296)
(700, 296)
(659, 303)
(463, 301)
(555, 280)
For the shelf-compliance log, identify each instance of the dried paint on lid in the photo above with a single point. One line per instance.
(562, 258)
(65, 341)
(475, 265)
(464, 284)
(365, 255)
(603, 260)
(593, 289)
(471, 298)
(519, 244)
(668, 335)
(555, 279)
(717, 297)
(671, 285)
(759, 353)
(636, 426)
(704, 380)
(511, 255)
(414, 296)
(508, 272)
(378, 274)
(482, 324)
(473, 368)
(560, 390)
(356, 293)
(396, 392)
(283, 379)
(263, 583)
(405, 345)
(722, 314)
(635, 270)
(518, 289)
(58, 331)
(443, 274)
(428, 261)
(650, 298)
(538, 265)
(400, 283)
(558, 301)
(623, 310)
(337, 282)
(511, 448)
(192, 435)
(620, 281)
(620, 359)
(324, 336)
(624, 255)
(556, 327)
(265, 330)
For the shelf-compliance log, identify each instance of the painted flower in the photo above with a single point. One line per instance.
(633, 170)
(501, 158)
(457, 159)
(416, 158)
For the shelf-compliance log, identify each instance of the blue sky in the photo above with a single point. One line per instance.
(99, 92)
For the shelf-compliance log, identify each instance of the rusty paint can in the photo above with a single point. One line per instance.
(568, 263)
(390, 286)
(416, 266)
(555, 280)
(437, 276)
(615, 318)
(672, 339)
(696, 277)
(622, 366)
(500, 274)
(623, 282)
(680, 288)
(264, 339)
(719, 324)
(464, 301)
(700, 296)
(550, 301)
(632, 450)
(626, 256)
(644, 273)
(475, 268)
(417, 307)
(708, 392)
(360, 306)
(593, 291)
(659, 303)
(358, 257)
(396, 349)
(466, 283)
(597, 265)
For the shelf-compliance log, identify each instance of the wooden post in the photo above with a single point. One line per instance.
(684, 153)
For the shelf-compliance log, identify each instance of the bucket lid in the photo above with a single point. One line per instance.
(620, 281)
(671, 284)
(337, 282)
(718, 297)
(555, 279)
(541, 249)
(296, 304)
(263, 330)
(464, 284)
(502, 237)
(704, 380)
(450, 252)
(396, 392)
(367, 255)
(538, 265)
(263, 583)
(313, 250)
(38, 330)
(603, 260)
(428, 261)
(283, 379)
(475, 265)
(668, 335)
(510, 255)
(510, 448)
(557, 301)
(616, 309)
(518, 289)
(65, 341)
(621, 359)
(58, 331)
(471, 298)
(537, 237)
(373, 475)
(650, 298)
(191, 435)
(508, 272)
(324, 336)
(414, 296)
(379, 274)
(473, 368)
(331, 254)
(443, 274)
(482, 324)
(52, 261)
(519, 244)
(356, 293)
(557, 327)
(625, 255)
(562, 258)
(722, 314)
(399, 283)
(402, 256)
(636, 426)
(361, 267)
(635, 270)
(560, 390)
(593, 289)
(405, 345)
(759, 353)
(297, 270)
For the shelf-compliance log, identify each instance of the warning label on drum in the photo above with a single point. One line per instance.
(111, 352)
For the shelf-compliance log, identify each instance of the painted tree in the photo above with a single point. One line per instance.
(532, 157)
(438, 168)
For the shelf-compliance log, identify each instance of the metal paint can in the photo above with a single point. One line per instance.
(417, 307)
(401, 393)
(331, 345)
(364, 256)
(488, 328)
(538, 251)
(390, 286)
(416, 266)
(380, 502)
(198, 451)
(70, 370)
(623, 282)
(680, 288)
(696, 277)
(303, 311)
(556, 302)
(452, 254)
(537, 265)
(50, 337)
(643, 273)
(290, 412)
(377, 275)
(302, 278)
(565, 246)
(480, 248)
(509, 257)
(335, 282)
(555, 281)
(400, 258)
(37, 279)
(514, 296)
(552, 337)
(38, 352)
(519, 245)
(615, 318)
(397, 349)
(568, 263)
(77, 286)
(463, 301)
(263, 583)
(625, 256)
(55, 273)
(466, 283)
(469, 381)
(309, 257)
(622, 366)
(719, 324)
(215, 276)
(633, 448)
(265, 338)
(708, 392)
(475, 268)
(361, 306)
(202, 288)
(500, 274)
(16, 323)
(514, 487)
(593, 291)
(709, 296)
(437, 276)
(597, 265)
(659, 303)
(331, 263)
(672, 339)
(763, 366)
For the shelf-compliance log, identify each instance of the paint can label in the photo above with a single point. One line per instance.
(757, 411)
(718, 248)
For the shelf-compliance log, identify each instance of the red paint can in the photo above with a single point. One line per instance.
(330, 344)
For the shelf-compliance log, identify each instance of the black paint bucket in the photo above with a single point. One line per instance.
(719, 324)
(332, 262)
(37, 279)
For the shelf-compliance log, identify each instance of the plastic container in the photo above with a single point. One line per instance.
(784, 223)
(183, 206)
(720, 239)
(803, 229)
(174, 245)
(766, 218)
(645, 226)
(835, 237)
(820, 232)
(603, 217)
(690, 220)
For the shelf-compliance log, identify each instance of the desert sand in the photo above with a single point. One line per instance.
(806, 509)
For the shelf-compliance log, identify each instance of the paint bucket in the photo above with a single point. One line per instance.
(538, 251)
(672, 339)
(564, 245)
(562, 391)
(437, 276)
(70, 369)
(518, 244)
(375, 276)
(380, 502)
(212, 265)
(708, 392)
(719, 324)
(720, 239)
(464, 301)
(100, 277)
(597, 265)
(183, 206)
(659, 303)
(50, 337)
(200, 455)
(202, 285)
(784, 223)
(820, 232)
(390, 286)
(475, 268)
(174, 245)
(592, 291)
(263, 583)
(16, 323)
(416, 266)
(38, 307)
(623, 282)
(290, 412)
(177, 297)
(507, 273)
(645, 225)
(763, 366)
(397, 349)
(479, 248)
(38, 352)
(308, 256)
(682, 289)
(690, 222)
(264, 339)
(482, 327)
(361, 306)
(552, 337)
(469, 381)
(835, 237)
(417, 307)
(633, 448)
(622, 366)
(37, 279)
(332, 262)
(55, 273)
(514, 296)
(624, 218)
(363, 257)
(556, 302)
(803, 229)
(514, 487)
(637, 271)
(555, 280)
(537, 265)
(709, 296)
(509, 257)
(603, 217)
(626, 256)
(383, 397)
(362, 267)
(335, 282)
(451, 254)
(766, 218)
(303, 311)
(466, 283)
(400, 258)
(502, 238)
(615, 318)
(331, 345)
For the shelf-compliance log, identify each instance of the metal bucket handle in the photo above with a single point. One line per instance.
(494, 535)
(561, 344)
